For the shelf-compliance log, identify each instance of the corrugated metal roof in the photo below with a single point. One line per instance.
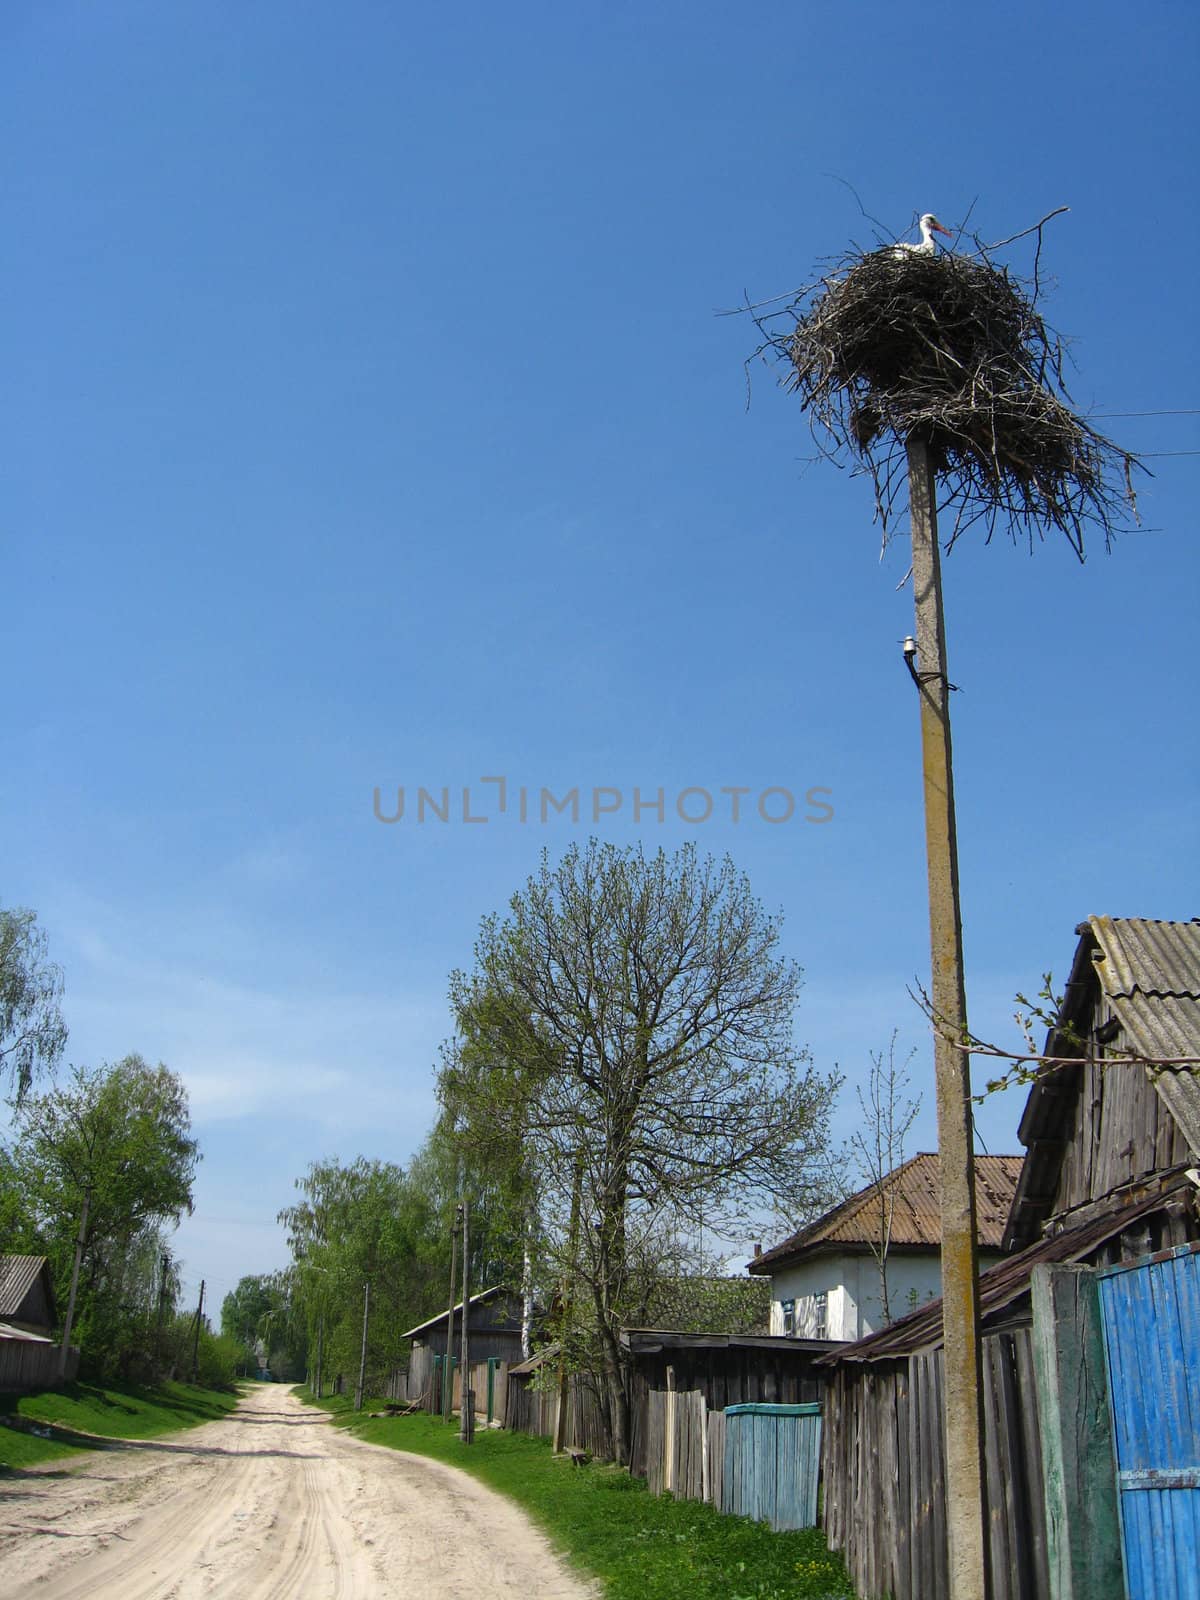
(1001, 1285)
(1150, 975)
(1153, 958)
(18, 1274)
(912, 1189)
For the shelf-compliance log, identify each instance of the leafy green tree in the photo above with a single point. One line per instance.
(245, 1308)
(354, 1224)
(110, 1149)
(628, 1028)
(32, 1031)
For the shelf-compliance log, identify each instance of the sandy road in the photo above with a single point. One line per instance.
(271, 1503)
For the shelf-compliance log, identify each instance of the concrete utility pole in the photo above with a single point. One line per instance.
(196, 1335)
(362, 1360)
(952, 1066)
(163, 1285)
(466, 1407)
(80, 1241)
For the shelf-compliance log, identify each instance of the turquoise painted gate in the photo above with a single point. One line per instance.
(1151, 1311)
(772, 1463)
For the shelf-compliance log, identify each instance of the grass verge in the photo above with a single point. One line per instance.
(640, 1546)
(114, 1411)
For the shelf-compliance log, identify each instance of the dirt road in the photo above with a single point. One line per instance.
(271, 1503)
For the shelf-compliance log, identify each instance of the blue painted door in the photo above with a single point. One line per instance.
(1151, 1314)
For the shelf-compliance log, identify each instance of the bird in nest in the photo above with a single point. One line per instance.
(929, 226)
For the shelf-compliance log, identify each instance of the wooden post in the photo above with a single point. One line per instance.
(362, 1360)
(448, 1358)
(80, 1241)
(1079, 1473)
(669, 1434)
(952, 1068)
(466, 1430)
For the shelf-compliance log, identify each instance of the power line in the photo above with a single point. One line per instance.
(1184, 412)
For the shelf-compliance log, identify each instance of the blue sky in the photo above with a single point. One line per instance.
(368, 423)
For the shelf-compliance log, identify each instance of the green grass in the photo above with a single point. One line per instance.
(116, 1411)
(642, 1547)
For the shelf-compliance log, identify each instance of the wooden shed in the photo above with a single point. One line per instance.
(27, 1294)
(29, 1356)
(727, 1369)
(493, 1327)
(1108, 1178)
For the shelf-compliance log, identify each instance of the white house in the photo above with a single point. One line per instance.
(825, 1279)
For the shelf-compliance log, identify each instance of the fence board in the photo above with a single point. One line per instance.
(27, 1364)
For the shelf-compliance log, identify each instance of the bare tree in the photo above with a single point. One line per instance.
(630, 1021)
(878, 1145)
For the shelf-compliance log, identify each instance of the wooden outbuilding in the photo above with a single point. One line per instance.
(1109, 1182)
(494, 1334)
(726, 1369)
(27, 1294)
(29, 1355)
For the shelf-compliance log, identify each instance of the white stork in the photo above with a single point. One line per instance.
(929, 226)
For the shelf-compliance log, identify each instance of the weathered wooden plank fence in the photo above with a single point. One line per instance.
(678, 1447)
(27, 1364)
(530, 1410)
(884, 1473)
(760, 1461)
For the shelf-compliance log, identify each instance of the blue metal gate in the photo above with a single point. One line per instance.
(1151, 1314)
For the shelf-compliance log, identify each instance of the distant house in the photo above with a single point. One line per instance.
(825, 1281)
(26, 1296)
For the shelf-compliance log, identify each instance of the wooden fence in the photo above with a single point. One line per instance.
(884, 1471)
(27, 1364)
(679, 1449)
(530, 1410)
(760, 1461)
(395, 1386)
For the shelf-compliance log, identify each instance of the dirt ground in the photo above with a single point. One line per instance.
(271, 1503)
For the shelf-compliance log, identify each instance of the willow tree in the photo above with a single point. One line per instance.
(628, 1026)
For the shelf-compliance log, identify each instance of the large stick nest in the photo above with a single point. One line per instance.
(949, 349)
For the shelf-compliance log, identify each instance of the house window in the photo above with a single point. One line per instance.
(788, 1308)
(821, 1315)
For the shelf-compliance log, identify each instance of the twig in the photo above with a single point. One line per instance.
(1024, 233)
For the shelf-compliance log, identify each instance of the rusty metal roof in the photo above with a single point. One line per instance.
(1004, 1283)
(912, 1191)
(18, 1274)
